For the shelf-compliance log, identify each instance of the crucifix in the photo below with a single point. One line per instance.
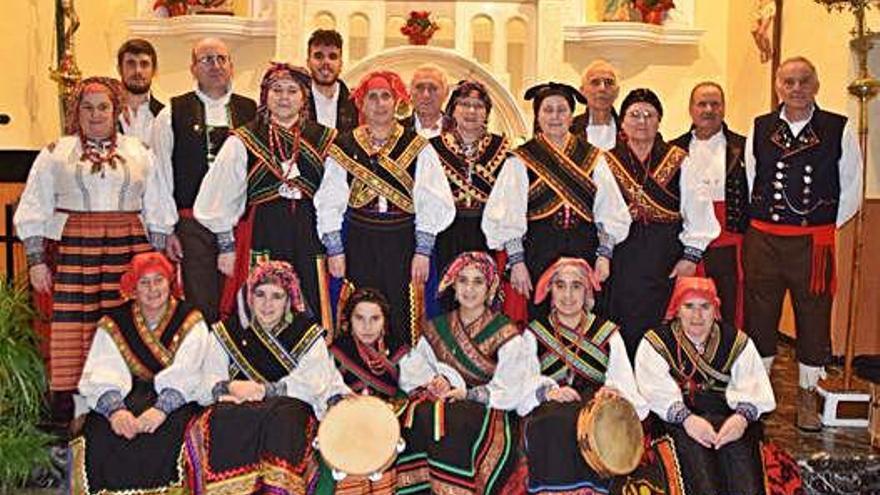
(768, 15)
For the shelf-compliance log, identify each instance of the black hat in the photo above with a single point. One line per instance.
(463, 89)
(641, 95)
(542, 91)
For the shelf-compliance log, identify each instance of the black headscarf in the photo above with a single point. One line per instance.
(641, 95)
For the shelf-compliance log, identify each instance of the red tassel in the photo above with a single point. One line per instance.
(243, 238)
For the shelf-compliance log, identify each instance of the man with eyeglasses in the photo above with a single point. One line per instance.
(599, 121)
(804, 173)
(329, 100)
(136, 63)
(717, 153)
(428, 90)
(186, 137)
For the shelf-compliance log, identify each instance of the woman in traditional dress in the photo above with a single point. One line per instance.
(265, 176)
(555, 196)
(705, 380)
(580, 356)
(464, 375)
(368, 355)
(673, 219)
(94, 195)
(270, 375)
(389, 186)
(140, 380)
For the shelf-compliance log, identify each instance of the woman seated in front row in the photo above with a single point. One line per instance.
(705, 380)
(580, 356)
(141, 378)
(269, 374)
(467, 370)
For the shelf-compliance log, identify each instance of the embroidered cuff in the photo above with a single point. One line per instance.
(692, 254)
(748, 411)
(332, 242)
(275, 389)
(605, 251)
(424, 242)
(677, 413)
(543, 390)
(158, 240)
(332, 401)
(606, 242)
(225, 242)
(478, 394)
(109, 402)
(34, 250)
(515, 251)
(169, 400)
(220, 389)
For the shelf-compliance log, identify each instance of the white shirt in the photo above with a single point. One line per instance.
(602, 136)
(749, 382)
(710, 159)
(325, 108)
(505, 216)
(428, 132)
(216, 115)
(139, 123)
(849, 166)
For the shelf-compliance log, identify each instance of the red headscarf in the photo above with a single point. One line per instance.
(279, 273)
(543, 286)
(281, 70)
(112, 87)
(380, 79)
(479, 260)
(143, 264)
(687, 287)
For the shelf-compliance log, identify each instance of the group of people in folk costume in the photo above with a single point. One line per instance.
(568, 269)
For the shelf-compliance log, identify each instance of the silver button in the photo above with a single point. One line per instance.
(807, 190)
(780, 165)
(808, 180)
(777, 196)
(806, 201)
(777, 185)
(775, 217)
(779, 175)
(808, 169)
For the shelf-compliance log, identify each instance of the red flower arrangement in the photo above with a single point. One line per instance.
(419, 27)
(653, 11)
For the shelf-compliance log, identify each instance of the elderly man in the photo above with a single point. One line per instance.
(429, 90)
(329, 101)
(136, 63)
(718, 153)
(803, 167)
(388, 184)
(600, 122)
(186, 137)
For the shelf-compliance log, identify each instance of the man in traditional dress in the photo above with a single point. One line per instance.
(137, 64)
(428, 90)
(186, 137)
(329, 101)
(718, 153)
(599, 121)
(389, 185)
(804, 172)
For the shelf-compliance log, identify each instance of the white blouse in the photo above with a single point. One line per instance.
(314, 380)
(58, 180)
(505, 215)
(749, 382)
(508, 383)
(618, 376)
(699, 225)
(105, 369)
(432, 197)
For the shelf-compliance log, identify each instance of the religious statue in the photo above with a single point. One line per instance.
(765, 12)
(619, 11)
(67, 74)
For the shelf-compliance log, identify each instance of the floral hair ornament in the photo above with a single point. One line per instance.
(688, 287)
(542, 288)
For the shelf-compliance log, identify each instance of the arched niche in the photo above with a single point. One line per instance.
(505, 117)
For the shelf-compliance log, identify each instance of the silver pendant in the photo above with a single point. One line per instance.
(288, 191)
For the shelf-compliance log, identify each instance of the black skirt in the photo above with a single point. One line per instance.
(475, 453)
(243, 447)
(104, 462)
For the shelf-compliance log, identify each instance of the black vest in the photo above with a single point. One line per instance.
(736, 191)
(797, 180)
(651, 190)
(471, 183)
(346, 111)
(189, 159)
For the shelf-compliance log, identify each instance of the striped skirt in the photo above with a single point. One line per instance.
(92, 256)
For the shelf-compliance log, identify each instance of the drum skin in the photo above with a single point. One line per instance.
(610, 436)
(359, 436)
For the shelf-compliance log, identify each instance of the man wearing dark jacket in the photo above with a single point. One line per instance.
(599, 122)
(329, 99)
